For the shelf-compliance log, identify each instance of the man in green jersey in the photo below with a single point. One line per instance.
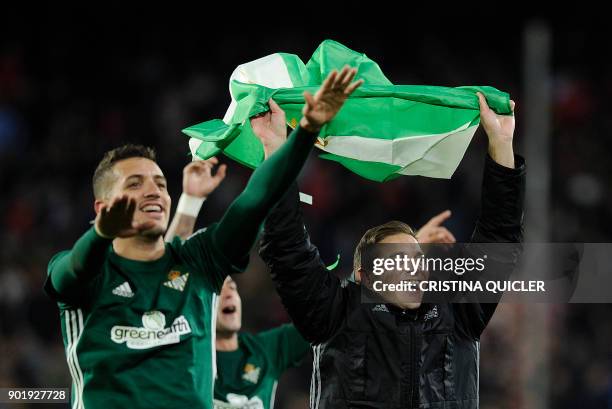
(249, 365)
(137, 314)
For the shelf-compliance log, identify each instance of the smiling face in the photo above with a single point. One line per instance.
(229, 312)
(411, 248)
(404, 242)
(140, 179)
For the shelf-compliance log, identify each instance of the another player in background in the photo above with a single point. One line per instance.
(248, 365)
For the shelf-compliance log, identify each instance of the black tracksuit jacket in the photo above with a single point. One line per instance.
(378, 356)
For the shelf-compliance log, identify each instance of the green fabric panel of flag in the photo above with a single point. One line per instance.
(378, 110)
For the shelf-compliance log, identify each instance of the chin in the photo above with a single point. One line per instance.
(155, 232)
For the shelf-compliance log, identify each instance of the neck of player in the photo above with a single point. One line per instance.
(226, 341)
(141, 248)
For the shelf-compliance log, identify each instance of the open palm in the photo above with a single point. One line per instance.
(327, 101)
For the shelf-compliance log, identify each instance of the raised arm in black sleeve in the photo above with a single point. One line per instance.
(312, 295)
(500, 221)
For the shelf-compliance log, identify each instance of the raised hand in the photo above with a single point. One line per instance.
(327, 101)
(117, 219)
(271, 128)
(434, 232)
(500, 131)
(198, 179)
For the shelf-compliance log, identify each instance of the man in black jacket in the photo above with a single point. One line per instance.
(385, 355)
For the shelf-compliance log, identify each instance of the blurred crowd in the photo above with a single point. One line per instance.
(68, 95)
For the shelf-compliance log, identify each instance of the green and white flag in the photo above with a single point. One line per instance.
(382, 131)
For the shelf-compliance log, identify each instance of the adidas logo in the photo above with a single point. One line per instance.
(178, 283)
(124, 290)
(380, 308)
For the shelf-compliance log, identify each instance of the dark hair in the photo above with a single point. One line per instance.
(100, 177)
(378, 233)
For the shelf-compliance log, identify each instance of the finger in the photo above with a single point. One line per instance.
(310, 102)
(202, 165)
(512, 105)
(482, 101)
(221, 172)
(195, 166)
(349, 77)
(439, 218)
(131, 207)
(212, 161)
(329, 81)
(349, 90)
(443, 235)
(119, 204)
(274, 107)
(342, 76)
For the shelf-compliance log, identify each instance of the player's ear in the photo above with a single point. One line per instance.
(98, 206)
(358, 274)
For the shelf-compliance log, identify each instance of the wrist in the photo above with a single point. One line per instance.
(190, 205)
(502, 153)
(305, 124)
(101, 234)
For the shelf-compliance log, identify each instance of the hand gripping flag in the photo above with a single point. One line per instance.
(382, 131)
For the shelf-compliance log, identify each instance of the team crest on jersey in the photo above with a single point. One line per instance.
(176, 280)
(251, 373)
(152, 333)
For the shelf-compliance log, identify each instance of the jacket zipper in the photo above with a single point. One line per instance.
(414, 360)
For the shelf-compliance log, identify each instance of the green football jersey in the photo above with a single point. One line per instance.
(247, 377)
(140, 334)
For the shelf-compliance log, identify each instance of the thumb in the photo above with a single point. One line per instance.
(482, 101)
(310, 102)
(220, 175)
(274, 107)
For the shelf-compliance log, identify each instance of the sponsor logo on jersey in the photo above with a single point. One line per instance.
(235, 401)
(176, 281)
(124, 290)
(153, 332)
(251, 373)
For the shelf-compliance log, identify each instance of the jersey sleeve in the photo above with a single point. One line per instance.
(285, 346)
(74, 275)
(200, 252)
(61, 286)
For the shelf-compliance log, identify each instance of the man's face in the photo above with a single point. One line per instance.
(229, 313)
(142, 180)
(411, 248)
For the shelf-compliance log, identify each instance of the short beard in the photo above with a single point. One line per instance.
(153, 234)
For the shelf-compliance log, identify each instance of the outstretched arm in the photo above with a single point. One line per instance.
(70, 271)
(237, 230)
(501, 214)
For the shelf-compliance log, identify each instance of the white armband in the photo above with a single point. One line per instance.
(189, 205)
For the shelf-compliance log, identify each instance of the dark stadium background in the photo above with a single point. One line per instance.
(72, 87)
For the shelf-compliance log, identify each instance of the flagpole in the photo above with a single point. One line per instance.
(535, 114)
